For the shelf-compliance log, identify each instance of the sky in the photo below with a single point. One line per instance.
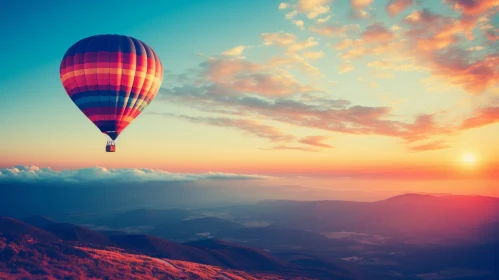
(362, 94)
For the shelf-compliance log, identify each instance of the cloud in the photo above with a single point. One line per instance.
(426, 125)
(299, 23)
(335, 29)
(280, 38)
(436, 41)
(313, 55)
(475, 48)
(360, 4)
(374, 40)
(299, 46)
(457, 67)
(435, 145)
(358, 8)
(492, 35)
(31, 173)
(283, 6)
(473, 7)
(345, 44)
(248, 126)
(429, 31)
(424, 40)
(482, 117)
(291, 15)
(324, 19)
(359, 14)
(244, 90)
(315, 141)
(293, 60)
(294, 148)
(395, 27)
(236, 51)
(238, 75)
(395, 7)
(313, 8)
(311, 111)
(356, 49)
(288, 41)
(393, 64)
(376, 32)
(427, 41)
(346, 67)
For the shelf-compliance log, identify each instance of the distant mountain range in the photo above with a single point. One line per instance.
(407, 215)
(396, 238)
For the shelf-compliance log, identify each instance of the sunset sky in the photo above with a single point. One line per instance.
(312, 92)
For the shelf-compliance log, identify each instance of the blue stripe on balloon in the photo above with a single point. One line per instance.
(89, 105)
(95, 101)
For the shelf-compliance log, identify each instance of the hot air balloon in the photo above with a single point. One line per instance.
(111, 79)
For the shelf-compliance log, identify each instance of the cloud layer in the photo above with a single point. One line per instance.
(457, 47)
(31, 173)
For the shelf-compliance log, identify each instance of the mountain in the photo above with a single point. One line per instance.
(59, 261)
(161, 248)
(237, 256)
(445, 217)
(16, 231)
(449, 216)
(250, 259)
(409, 198)
(38, 221)
(70, 232)
(225, 254)
(212, 252)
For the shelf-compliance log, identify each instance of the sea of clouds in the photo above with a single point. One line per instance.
(32, 173)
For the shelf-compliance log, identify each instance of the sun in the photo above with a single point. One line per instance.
(469, 158)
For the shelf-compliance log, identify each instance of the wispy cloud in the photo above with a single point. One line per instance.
(482, 117)
(236, 51)
(376, 32)
(315, 141)
(395, 7)
(294, 60)
(431, 146)
(345, 67)
(299, 46)
(240, 75)
(288, 147)
(335, 29)
(314, 55)
(278, 38)
(473, 7)
(296, 105)
(249, 126)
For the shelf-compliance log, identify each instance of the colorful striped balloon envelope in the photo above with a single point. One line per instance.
(111, 79)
